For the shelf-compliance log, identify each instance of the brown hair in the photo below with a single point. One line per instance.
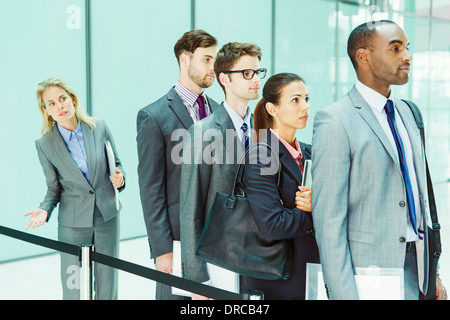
(192, 40)
(230, 53)
(271, 93)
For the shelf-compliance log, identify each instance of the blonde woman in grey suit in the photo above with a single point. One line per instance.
(73, 158)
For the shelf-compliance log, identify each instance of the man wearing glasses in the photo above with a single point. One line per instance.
(213, 148)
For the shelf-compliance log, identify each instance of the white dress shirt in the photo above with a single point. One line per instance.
(377, 102)
(238, 121)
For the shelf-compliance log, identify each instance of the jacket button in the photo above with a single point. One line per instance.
(91, 191)
(402, 239)
(402, 204)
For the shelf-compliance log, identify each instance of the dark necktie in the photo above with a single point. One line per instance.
(389, 107)
(245, 136)
(201, 107)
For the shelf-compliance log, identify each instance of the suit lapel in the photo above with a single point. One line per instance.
(226, 128)
(367, 114)
(60, 149)
(214, 106)
(413, 132)
(179, 109)
(286, 158)
(91, 149)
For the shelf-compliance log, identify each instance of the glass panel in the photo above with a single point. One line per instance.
(133, 64)
(441, 9)
(242, 21)
(40, 39)
(305, 45)
(420, 7)
(438, 127)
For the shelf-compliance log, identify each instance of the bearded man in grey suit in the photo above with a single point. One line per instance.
(160, 128)
(213, 148)
(369, 191)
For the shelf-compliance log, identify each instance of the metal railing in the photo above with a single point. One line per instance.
(87, 256)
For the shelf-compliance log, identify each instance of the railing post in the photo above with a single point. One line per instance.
(254, 295)
(86, 272)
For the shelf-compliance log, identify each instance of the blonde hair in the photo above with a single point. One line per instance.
(48, 121)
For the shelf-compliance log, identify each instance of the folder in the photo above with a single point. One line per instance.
(112, 168)
(373, 283)
(221, 278)
(307, 177)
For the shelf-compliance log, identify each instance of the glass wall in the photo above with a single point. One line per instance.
(118, 56)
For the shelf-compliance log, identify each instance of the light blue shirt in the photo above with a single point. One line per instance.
(75, 144)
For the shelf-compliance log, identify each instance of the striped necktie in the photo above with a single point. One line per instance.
(245, 138)
(389, 107)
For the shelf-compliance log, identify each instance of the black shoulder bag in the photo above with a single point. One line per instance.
(434, 236)
(231, 239)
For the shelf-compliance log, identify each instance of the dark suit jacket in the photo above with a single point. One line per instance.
(207, 168)
(280, 219)
(159, 175)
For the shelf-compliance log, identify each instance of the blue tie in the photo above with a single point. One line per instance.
(245, 136)
(401, 155)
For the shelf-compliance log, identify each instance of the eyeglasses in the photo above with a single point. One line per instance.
(248, 74)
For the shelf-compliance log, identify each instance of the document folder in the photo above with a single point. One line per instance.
(112, 168)
(373, 283)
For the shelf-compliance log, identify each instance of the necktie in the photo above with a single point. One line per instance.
(389, 107)
(245, 138)
(201, 107)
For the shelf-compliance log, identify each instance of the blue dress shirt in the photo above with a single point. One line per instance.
(75, 144)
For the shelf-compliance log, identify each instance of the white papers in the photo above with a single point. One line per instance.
(223, 279)
(112, 168)
(373, 283)
(220, 278)
(307, 178)
(176, 268)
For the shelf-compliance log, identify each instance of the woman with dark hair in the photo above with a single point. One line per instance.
(281, 208)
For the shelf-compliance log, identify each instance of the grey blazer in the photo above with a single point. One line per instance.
(207, 168)
(159, 175)
(66, 184)
(358, 195)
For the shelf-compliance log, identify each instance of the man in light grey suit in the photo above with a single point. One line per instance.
(369, 196)
(159, 126)
(214, 147)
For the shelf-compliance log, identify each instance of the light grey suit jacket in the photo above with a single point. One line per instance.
(206, 169)
(66, 184)
(159, 174)
(358, 194)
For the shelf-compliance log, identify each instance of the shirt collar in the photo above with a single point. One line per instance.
(236, 118)
(295, 152)
(67, 134)
(188, 96)
(376, 100)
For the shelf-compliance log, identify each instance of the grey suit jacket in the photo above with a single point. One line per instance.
(160, 132)
(358, 194)
(210, 160)
(66, 184)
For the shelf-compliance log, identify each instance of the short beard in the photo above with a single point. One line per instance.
(198, 80)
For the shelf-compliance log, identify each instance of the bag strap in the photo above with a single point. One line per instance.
(240, 173)
(431, 200)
